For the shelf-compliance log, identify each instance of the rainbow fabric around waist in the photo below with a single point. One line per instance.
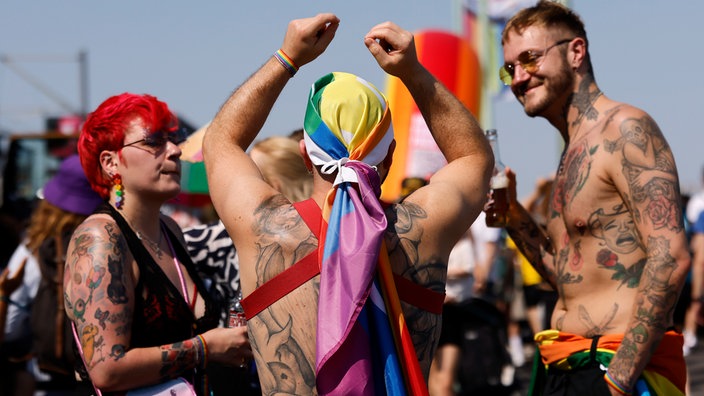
(665, 374)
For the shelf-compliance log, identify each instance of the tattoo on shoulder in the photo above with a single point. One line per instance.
(276, 219)
(403, 233)
(650, 172)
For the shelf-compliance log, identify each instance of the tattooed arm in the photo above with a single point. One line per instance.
(241, 118)
(529, 237)
(99, 284)
(648, 181)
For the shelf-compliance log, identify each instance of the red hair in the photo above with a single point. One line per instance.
(105, 127)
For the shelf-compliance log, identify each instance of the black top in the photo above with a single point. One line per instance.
(163, 316)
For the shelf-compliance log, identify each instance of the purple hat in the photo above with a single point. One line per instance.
(69, 189)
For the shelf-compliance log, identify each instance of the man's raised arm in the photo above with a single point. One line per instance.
(455, 130)
(242, 116)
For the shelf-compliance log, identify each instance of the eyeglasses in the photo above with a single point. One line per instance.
(158, 139)
(529, 61)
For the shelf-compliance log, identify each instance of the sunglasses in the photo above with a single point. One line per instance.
(529, 61)
(158, 139)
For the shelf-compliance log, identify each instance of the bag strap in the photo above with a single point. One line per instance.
(80, 352)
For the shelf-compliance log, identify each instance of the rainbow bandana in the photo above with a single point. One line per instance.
(363, 346)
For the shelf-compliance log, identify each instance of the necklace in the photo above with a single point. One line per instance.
(154, 246)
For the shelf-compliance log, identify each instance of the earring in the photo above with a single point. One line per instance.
(119, 190)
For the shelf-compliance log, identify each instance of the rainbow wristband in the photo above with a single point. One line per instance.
(204, 361)
(619, 388)
(286, 62)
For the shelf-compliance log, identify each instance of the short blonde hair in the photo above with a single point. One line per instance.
(282, 166)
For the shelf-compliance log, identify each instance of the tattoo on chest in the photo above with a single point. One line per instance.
(564, 264)
(572, 175)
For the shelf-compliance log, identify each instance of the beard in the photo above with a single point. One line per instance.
(560, 85)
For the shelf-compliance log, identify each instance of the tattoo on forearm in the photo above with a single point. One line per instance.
(654, 306)
(535, 246)
(177, 358)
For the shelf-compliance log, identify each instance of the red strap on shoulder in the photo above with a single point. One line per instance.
(280, 285)
(311, 214)
(419, 296)
(305, 269)
(294, 276)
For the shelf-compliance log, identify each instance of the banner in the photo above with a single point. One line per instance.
(453, 61)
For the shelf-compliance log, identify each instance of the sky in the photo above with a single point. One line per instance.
(194, 54)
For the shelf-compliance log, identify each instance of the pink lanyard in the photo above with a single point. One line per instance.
(178, 267)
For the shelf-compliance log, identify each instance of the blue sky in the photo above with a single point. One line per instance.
(193, 54)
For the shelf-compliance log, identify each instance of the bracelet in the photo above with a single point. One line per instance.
(286, 62)
(619, 388)
(203, 361)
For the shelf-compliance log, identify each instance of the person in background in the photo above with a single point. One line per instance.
(469, 268)
(16, 379)
(211, 248)
(694, 315)
(65, 201)
(272, 234)
(141, 313)
(615, 248)
(281, 165)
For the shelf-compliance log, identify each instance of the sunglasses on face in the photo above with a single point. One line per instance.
(159, 139)
(529, 61)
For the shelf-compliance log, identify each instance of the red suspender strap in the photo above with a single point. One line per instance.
(295, 275)
(302, 271)
(419, 296)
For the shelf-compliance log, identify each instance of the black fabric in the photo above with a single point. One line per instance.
(583, 381)
(163, 316)
(484, 355)
(588, 381)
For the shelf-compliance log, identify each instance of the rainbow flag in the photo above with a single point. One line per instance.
(363, 346)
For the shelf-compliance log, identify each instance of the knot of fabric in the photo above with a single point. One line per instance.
(344, 173)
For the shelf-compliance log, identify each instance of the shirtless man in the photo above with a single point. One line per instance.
(615, 247)
(271, 236)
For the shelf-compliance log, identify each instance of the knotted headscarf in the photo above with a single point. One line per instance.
(362, 344)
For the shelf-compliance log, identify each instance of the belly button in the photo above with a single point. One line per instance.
(581, 226)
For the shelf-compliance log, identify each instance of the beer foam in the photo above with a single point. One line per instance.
(499, 181)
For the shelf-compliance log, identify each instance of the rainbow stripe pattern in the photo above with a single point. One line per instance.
(363, 346)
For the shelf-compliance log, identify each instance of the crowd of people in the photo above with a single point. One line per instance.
(344, 293)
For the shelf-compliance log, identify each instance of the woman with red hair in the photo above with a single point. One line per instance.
(141, 313)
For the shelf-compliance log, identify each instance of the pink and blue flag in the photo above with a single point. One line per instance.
(363, 346)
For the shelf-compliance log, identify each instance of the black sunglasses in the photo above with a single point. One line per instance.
(158, 139)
